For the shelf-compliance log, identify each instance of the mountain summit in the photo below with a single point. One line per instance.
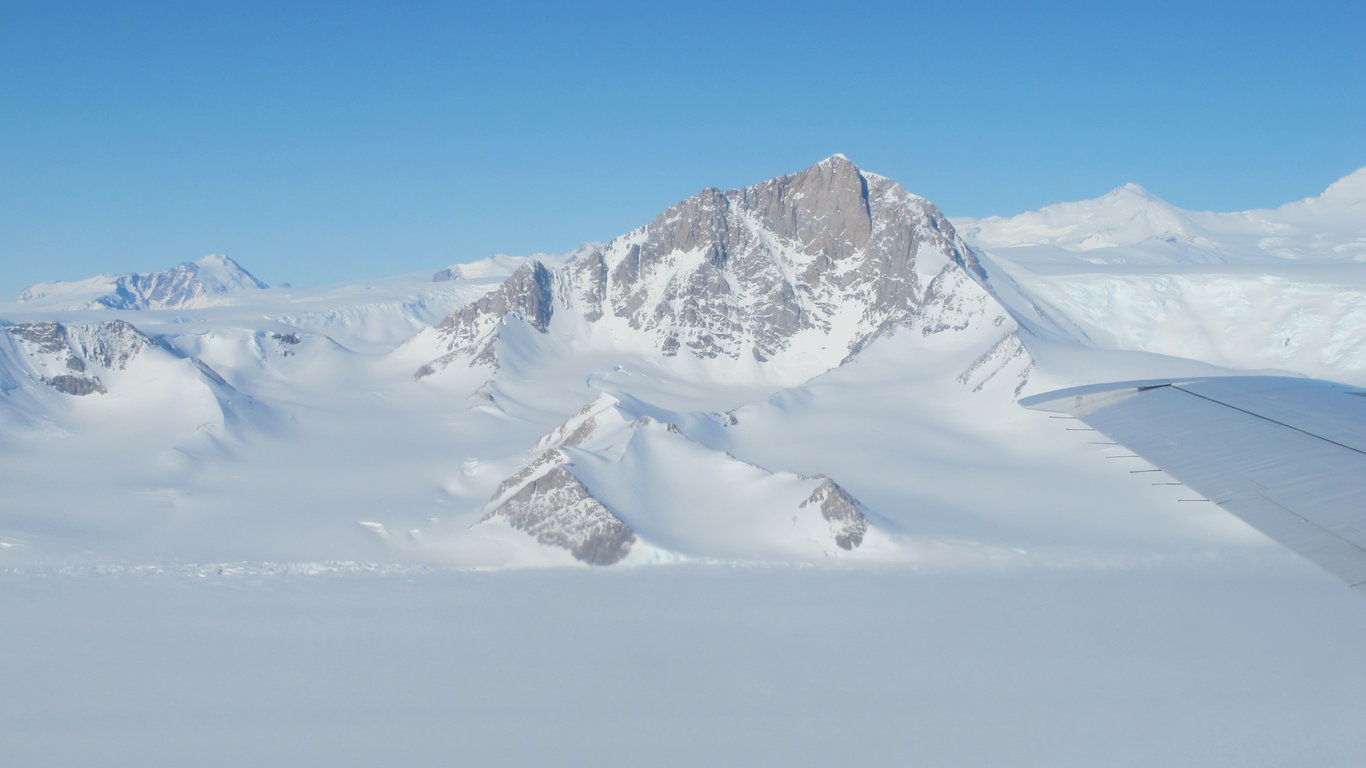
(794, 273)
(1126, 215)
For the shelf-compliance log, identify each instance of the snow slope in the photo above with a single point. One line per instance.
(502, 265)
(1281, 290)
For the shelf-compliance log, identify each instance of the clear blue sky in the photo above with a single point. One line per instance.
(317, 142)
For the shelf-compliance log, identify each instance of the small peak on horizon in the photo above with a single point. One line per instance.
(1131, 187)
(223, 267)
(838, 157)
(1132, 191)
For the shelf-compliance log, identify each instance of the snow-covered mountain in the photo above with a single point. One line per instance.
(1280, 290)
(1130, 225)
(784, 279)
(186, 285)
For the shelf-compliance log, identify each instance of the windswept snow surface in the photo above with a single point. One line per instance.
(500, 520)
(1130, 225)
(501, 265)
(1252, 664)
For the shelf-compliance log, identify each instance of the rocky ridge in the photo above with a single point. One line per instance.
(65, 357)
(549, 501)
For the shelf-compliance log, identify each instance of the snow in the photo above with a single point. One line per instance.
(501, 265)
(1252, 663)
(1279, 290)
(684, 498)
(264, 543)
(1132, 226)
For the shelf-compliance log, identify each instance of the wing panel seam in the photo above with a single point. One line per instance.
(1254, 414)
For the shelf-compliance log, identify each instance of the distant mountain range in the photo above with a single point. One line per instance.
(186, 285)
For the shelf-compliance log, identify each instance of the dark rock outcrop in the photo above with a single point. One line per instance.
(558, 511)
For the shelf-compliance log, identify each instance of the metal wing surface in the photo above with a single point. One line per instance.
(1286, 455)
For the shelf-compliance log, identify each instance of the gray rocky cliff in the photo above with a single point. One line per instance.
(558, 511)
(842, 511)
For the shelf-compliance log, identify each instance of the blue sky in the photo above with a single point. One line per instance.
(318, 142)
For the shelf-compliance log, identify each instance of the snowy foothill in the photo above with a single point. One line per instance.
(756, 469)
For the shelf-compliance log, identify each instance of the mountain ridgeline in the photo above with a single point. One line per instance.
(802, 270)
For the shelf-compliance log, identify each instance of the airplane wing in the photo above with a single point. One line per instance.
(1286, 455)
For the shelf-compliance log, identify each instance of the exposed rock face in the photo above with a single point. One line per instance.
(111, 344)
(516, 482)
(847, 523)
(558, 511)
(43, 337)
(76, 385)
(1008, 357)
(59, 355)
(582, 426)
(470, 332)
(184, 285)
(831, 253)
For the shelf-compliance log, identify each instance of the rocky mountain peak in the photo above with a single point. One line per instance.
(825, 206)
(807, 266)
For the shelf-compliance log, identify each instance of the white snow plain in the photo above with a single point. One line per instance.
(1252, 664)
